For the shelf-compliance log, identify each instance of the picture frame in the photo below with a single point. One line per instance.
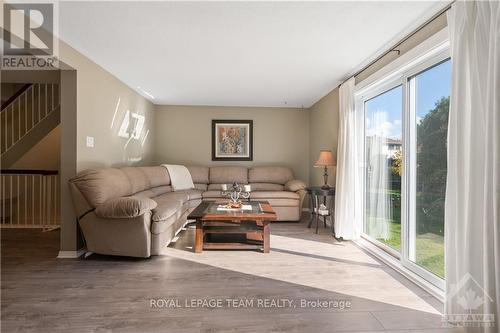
(232, 140)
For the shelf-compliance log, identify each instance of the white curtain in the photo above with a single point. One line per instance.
(378, 199)
(472, 228)
(348, 191)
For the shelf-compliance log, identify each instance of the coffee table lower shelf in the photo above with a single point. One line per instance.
(232, 246)
(253, 236)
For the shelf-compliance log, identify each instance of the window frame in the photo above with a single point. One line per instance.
(410, 163)
(400, 72)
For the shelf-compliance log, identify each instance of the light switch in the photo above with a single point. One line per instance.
(90, 141)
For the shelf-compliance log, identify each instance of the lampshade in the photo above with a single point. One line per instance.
(325, 159)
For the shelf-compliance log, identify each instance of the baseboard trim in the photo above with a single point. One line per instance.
(71, 254)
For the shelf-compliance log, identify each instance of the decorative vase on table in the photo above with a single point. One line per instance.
(235, 193)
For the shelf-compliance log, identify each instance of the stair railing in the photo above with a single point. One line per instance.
(30, 199)
(22, 114)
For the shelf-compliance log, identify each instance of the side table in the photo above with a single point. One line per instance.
(319, 195)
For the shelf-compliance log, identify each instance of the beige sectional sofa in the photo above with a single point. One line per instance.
(133, 211)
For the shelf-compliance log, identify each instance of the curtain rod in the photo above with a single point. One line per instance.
(393, 48)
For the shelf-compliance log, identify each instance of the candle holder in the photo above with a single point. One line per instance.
(236, 192)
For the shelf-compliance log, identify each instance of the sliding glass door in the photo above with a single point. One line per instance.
(429, 96)
(383, 139)
(405, 131)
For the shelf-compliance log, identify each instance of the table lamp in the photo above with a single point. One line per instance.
(325, 160)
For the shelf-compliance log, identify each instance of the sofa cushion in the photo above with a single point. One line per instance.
(270, 174)
(194, 203)
(101, 185)
(277, 198)
(211, 195)
(166, 209)
(154, 192)
(125, 207)
(216, 187)
(266, 187)
(199, 174)
(200, 187)
(157, 175)
(160, 226)
(228, 175)
(255, 187)
(144, 178)
(137, 178)
(192, 194)
(287, 213)
(170, 208)
(274, 195)
(181, 196)
(280, 202)
(295, 185)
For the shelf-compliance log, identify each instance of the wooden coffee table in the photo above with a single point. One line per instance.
(252, 226)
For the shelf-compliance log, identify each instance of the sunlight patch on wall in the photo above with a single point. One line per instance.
(144, 138)
(132, 128)
(114, 114)
(132, 125)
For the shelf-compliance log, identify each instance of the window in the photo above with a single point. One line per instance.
(405, 131)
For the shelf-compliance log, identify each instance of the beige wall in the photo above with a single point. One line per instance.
(281, 135)
(323, 129)
(45, 155)
(102, 103)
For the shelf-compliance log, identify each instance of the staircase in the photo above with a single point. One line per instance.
(28, 198)
(26, 119)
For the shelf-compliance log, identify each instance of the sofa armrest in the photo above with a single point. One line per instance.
(295, 185)
(125, 207)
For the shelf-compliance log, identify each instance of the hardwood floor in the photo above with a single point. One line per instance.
(105, 294)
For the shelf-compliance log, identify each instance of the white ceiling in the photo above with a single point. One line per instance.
(236, 53)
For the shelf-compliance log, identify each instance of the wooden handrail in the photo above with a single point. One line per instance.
(16, 95)
(28, 172)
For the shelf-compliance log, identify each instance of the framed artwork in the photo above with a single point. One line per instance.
(232, 140)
